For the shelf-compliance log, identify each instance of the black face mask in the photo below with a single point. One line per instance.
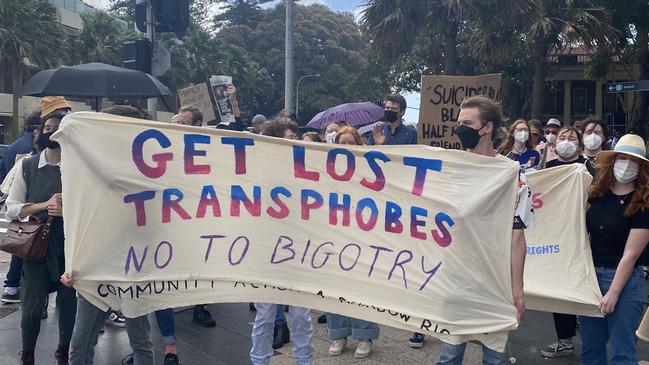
(44, 141)
(469, 137)
(391, 116)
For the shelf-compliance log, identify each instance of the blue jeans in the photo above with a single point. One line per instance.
(454, 355)
(341, 327)
(280, 316)
(618, 327)
(12, 279)
(167, 324)
(301, 334)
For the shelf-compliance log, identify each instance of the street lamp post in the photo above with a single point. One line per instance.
(297, 94)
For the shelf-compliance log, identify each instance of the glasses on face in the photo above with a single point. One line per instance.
(550, 131)
(392, 109)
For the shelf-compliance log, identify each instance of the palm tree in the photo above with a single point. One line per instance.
(101, 38)
(30, 35)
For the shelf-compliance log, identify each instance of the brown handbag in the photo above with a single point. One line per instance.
(27, 239)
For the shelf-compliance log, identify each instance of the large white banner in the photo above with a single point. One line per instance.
(159, 215)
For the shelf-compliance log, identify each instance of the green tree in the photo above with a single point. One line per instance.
(100, 40)
(326, 43)
(30, 35)
(630, 51)
(555, 24)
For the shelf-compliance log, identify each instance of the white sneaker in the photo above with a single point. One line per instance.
(337, 347)
(363, 350)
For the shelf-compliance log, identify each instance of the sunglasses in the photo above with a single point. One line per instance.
(550, 131)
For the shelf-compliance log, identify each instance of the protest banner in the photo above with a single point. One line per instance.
(441, 97)
(219, 86)
(559, 272)
(413, 237)
(198, 96)
(181, 215)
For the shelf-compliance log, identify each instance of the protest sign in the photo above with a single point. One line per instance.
(198, 96)
(404, 236)
(559, 272)
(441, 97)
(219, 86)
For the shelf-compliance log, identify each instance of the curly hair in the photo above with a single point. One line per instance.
(605, 180)
(277, 127)
(508, 143)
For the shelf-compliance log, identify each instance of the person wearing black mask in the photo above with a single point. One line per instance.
(393, 132)
(477, 124)
(36, 193)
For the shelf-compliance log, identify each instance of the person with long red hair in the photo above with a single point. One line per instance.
(618, 224)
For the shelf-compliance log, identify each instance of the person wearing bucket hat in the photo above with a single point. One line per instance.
(618, 224)
(54, 105)
(547, 147)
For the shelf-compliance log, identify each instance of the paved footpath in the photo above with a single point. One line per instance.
(229, 342)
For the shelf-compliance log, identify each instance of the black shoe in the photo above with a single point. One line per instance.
(322, 319)
(27, 358)
(171, 359)
(11, 298)
(251, 306)
(281, 335)
(61, 355)
(203, 317)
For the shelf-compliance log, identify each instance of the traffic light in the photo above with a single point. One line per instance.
(137, 55)
(170, 15)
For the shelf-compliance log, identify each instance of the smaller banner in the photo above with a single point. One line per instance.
(198, 96)
(441, 97)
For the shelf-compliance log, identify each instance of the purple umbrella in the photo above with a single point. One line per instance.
(355, 114)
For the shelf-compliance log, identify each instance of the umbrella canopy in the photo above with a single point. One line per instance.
(355, 114)
(97, 80)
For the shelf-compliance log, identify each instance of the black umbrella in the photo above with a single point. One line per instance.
(97, 80)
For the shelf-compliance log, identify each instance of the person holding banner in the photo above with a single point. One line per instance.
(36, 193)
(340, 327)
(618, 224)
(569, 148)
(265, 332)
(478, 121)
(518, 145)
(330, 131)
(90, 319)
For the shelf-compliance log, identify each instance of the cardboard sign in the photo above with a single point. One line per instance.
(198, 96)
(441, 97)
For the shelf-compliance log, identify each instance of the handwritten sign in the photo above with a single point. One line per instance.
(441, 97)
(182, 215)
(198, 96)
(401, 235)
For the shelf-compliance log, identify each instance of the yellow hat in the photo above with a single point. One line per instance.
(53, 103)
(629, 144)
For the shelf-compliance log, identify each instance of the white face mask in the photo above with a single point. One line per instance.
(551, 138)
(593, 141)
(566, 149)
(625, 170)
(331, 137)
(521, 136)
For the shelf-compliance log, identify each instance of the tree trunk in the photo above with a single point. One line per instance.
(11, 131)
(450, 49)
(539, 79)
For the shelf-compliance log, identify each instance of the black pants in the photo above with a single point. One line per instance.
(36, 284)
(566, 325)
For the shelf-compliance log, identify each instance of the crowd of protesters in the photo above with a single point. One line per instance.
(617, 220)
